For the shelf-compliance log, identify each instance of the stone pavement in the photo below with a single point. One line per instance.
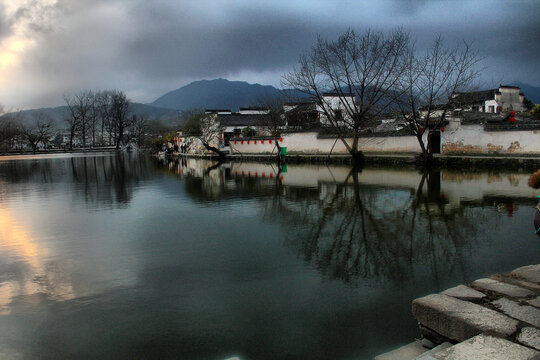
(495, 318)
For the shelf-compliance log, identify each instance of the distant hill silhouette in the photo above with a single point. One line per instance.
(219, 94)
(531, 92)
(60, 113)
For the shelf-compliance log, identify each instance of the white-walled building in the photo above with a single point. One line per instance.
(494, 101)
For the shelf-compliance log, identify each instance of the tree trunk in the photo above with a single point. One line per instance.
(425, 159)
(119, 137)
(213, 149)
(279, 157)
(357, 155)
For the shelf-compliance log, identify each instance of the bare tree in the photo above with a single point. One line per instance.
(39, 131)
(139, 129)
(73, 124)
(103, 107)
(361, 71)
(273, 122)
(119, 115)
(207, 129)
(9, 131)
(429, 80)
(80, 107)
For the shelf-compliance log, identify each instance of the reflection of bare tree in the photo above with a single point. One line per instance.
(348, 229)
(356, 231)
(98, 180)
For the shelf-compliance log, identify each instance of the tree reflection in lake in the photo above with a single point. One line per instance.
(98, 180)
(368, 230)
(375, 224)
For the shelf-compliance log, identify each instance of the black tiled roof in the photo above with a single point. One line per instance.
(335, 93)
(302, 107)
(217, 110)
(474, 96)
(510, 87)
(242, 119)
(307, 102)
(253, 108)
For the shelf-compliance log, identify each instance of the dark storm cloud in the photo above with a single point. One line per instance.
(269, 39)
(233, 40)
(147, 48)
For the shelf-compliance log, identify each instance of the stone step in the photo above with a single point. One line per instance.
(530, 273)
(463, 292)
(428, 354)
(406, 352)
(501, 288)
(530, 336)
(485, 347)
(535, 302)
(509, 279)
(459, 320)
(525, 313)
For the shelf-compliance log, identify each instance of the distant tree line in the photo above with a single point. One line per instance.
(92, 119)
(14, 134)
(101, 118)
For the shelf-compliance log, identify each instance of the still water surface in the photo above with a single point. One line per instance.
(129, 257)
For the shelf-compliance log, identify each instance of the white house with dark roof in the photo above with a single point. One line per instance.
(332, 103)
(494, 101)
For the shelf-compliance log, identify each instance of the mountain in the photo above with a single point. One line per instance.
(531, 92)
(219, 94)
(59, 114)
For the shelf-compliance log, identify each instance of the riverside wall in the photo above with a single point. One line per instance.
(456, 139)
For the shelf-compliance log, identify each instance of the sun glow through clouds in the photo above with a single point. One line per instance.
(24, 19)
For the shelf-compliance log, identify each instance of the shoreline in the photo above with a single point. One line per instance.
(480, 161)
(454, 161)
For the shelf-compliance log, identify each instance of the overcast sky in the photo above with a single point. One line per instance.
(147, 48)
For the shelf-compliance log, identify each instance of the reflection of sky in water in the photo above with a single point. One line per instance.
(24, 259)
(120, 258)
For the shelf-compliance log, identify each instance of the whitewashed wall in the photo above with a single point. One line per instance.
(309, 143)
(473, 139)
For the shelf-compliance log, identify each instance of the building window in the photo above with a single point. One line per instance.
(491, 108)
(338, 115)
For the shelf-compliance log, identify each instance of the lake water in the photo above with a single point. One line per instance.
(130, 257)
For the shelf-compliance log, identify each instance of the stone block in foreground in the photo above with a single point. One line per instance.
(484, 347)
(530, 337)
(406, 352)
(525, 313)
(464, 293)
(459, 320)
(501, 288)
(428, 355)
(530, 273)
(535, 301)
(516, 281)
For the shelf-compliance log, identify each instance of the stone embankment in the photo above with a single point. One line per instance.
(388, 159)
(491, 319)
